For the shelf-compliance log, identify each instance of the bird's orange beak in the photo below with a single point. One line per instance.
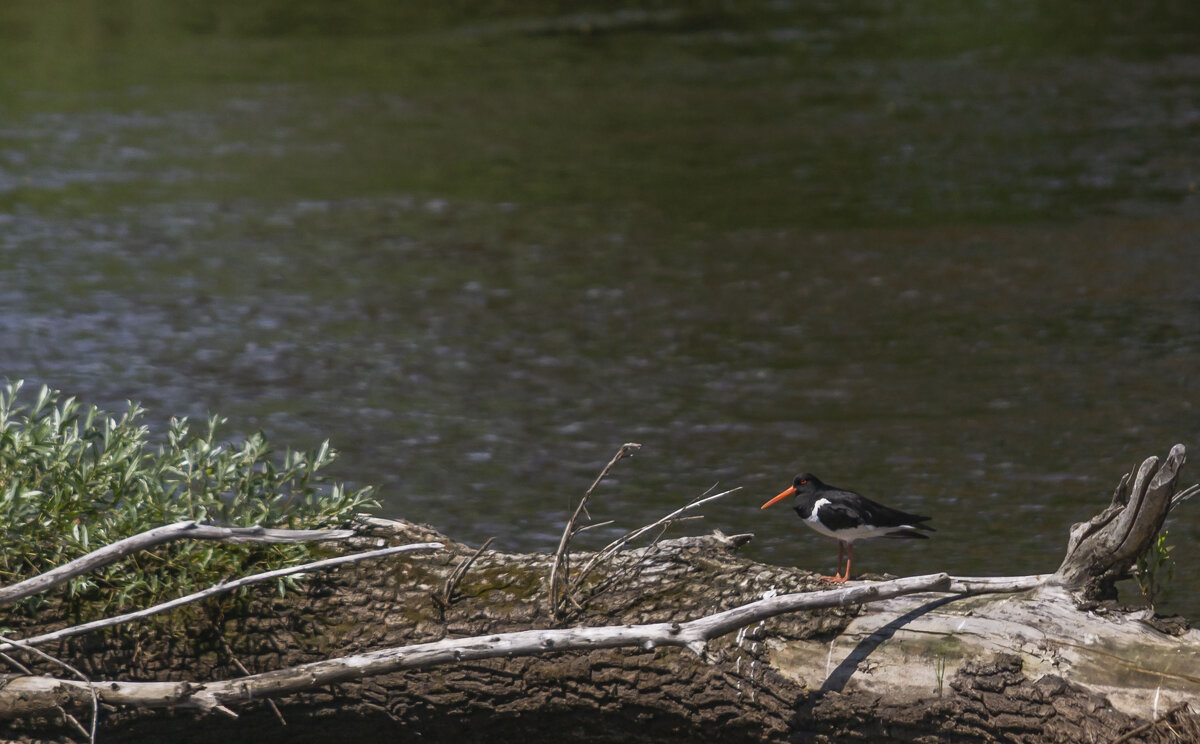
(779, 498)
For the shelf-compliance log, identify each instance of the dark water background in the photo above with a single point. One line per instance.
(943, 253)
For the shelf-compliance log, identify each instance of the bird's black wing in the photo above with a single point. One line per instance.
(840, 515)
(885, 516)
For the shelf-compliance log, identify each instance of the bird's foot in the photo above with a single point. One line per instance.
(839, 579)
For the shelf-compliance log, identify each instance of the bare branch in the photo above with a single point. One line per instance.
(1145, 727)
(460, 571)
(91, 688)
(213, 591)
(157, 536)
(1185, 494)
(594, 525)
(608, 550)
(26, 695)
(242, 668)
(996, 584)
(575, 583)
(13, 662)
(562, 560)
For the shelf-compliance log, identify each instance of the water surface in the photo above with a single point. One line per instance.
(943, 255)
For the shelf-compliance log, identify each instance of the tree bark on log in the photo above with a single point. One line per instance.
(1028, 666)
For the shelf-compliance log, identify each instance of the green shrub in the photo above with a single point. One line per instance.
(73, 478)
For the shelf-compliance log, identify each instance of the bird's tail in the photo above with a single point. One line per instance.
(911, 531)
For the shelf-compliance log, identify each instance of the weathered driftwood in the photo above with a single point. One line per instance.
(935, 666)
(908, 648)
(1057, 629)
(187, 530)
(212, 591)
(1104, 549)
(30, 694)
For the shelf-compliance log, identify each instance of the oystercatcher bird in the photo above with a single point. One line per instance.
(847, 516)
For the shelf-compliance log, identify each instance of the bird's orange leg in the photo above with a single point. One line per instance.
(838, 577)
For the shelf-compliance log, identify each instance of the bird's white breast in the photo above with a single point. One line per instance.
(814, 521)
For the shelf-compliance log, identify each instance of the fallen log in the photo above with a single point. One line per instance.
(1046, 660)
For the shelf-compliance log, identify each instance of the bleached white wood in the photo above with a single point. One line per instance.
(995, 584)
(212, 591)
(24, 695)
(150, 538)
(903, 647)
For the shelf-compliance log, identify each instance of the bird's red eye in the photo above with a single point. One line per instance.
(803, 481)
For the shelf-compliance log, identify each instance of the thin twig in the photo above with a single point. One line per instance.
(646, 553)
(74, 722)
(1185, 494)
(1135, 732)
(609, 550)
(594, 525)
(66, 716)
(460, 571)
(91, 734)
(157, 536)
(242, 668)
(562, 560)
(24, 669)
(1146, 727)
(215, 590)
(617, 544)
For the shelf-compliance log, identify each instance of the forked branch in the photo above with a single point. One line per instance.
(565, 588)
(561, 568)
(575, 583)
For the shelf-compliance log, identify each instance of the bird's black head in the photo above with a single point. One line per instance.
(803, 486)
(806, 484)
